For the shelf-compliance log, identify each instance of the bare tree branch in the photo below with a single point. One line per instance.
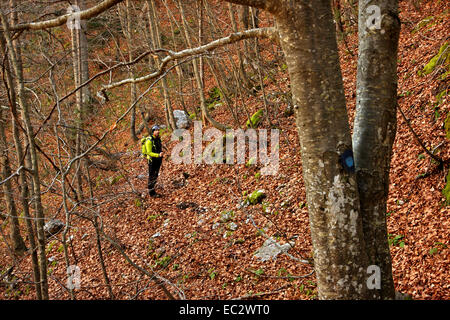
(234, 37)
(83, 15)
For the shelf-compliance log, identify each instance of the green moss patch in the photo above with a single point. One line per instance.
(446, 191)
(255, 119)
(442, 58)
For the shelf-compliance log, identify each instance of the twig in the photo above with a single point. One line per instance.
(13, 175)
(282, 277)
(247, 296)
(433, 156)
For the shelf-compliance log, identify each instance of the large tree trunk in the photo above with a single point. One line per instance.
(375, 126)
(308, 38)
(347, 236)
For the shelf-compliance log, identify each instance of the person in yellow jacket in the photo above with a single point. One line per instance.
(152, 151)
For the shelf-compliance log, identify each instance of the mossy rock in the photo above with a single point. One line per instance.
(255, 119)
(441, 96)
(446, 191)
(226, 216)
(256, 197)
(114, 180)
(423, 23)
(442, 58)
(137, 202)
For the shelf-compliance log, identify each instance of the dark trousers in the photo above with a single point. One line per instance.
(153, 172)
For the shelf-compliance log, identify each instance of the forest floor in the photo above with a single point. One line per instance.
(181, 236)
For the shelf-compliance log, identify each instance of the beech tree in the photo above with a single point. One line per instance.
(344, 242)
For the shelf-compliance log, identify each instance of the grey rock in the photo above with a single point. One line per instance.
(181, 119)
(270, 249)
(215, 225)
(232, 226)
(53, 227)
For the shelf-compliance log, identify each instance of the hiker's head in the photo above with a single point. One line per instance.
(155, 130)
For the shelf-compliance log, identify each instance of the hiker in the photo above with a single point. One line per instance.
(152, 151)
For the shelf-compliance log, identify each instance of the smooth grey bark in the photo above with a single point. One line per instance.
(308, 38)
(375, 127)
(84, 53)
(79, 52)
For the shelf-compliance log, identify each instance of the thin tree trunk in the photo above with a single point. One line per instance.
(205, 113)
(242, 73)
(127, 28)
(24, 190)
(100, 256)
(84, 54)
(374, 130)
(34, 159)
(217, 70)
(77, 75)
(66, 211)
(258, 65)
(156, 39)
(179, 68)
(18, 245)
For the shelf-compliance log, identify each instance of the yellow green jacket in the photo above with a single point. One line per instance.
(147, 147)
